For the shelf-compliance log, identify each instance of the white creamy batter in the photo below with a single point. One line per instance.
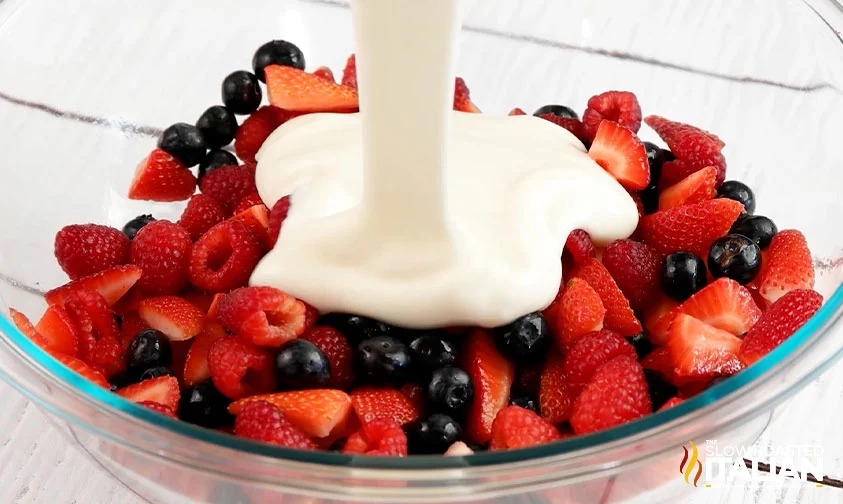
(419, 216)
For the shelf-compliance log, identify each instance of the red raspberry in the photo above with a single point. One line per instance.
(556, 396)
(97, 332)
(569, 123)
(462, 97)
(311, 315)
(693, 147)
(239, 369)
(201, 214)
(277, 216)
(248, 202)
(349, 74)
(380, 437)
(159, 408)
(339, 353)
(578, 248)
(262, 315)
(87, 249)
(256, 129)
(592, 351)
(618, 106)
(162, 250)
(325, 73)
(516, 427)
(263, 421)
(229, 184)
(224, 257)
(636, 269)
(616, 394)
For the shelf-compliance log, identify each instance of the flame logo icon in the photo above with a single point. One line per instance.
(686, 467)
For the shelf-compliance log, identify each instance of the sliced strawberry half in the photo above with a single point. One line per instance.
(658, 317)
(256, 220)
(83, 370)
(296, 90)
(196, 365)
(622, 154)
(25, 326)
(161, 177)
(659, 361)
(690, 227)
(580, 312)
(372, 404)
(58, 330)
(619, 315)
(694, 188)
(781, 320)
(492, 375)
(162, 390)
(112, 284)
(786, 266)
(178, 319)
(316, 412)
(462, 98)
(698, 350)
(724, 304)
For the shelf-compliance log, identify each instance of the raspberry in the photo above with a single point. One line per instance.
(578, 247)
(262, 421)
(556, 395)
(462, 97)
(262, 315)
(162, 250)
(325, 73)
(311, 315)
(229, 184)
(349, 74)
(339, 354)
(239, 369)
(248, 202)
(379, 437)
(592, 351)
(569, 123)
(636, 269)
(616, 394)
(201, 214)
(693, 147)
(516, 427)
(618, 106)
(87, 249)
(98, 336)
(159, 408)
(277, 216)
(256, 129)
(224, 257)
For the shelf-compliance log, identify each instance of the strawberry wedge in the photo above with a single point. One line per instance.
(296, 90)
(112, 284)
(622, 154)
(699, 350)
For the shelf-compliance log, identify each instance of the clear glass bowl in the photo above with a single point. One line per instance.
(92, 81)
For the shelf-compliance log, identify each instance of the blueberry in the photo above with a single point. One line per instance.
(557, 110)
(432, 351)
(433, 435)
(241, 92)
(148, 349)
(277, 52)
(450, 390)
(660, 390)
(683, 274)
(356, 327)
(758, 228)
(734, 256)
(299, 364)
(384, 360)
(526, 402)
(525, 340)
(740, 192)
(218, 126)
(650, 195)
(133, 226)
(642, 345)
(184, 142)
(202, 404)
(214, 159)
(155, 372)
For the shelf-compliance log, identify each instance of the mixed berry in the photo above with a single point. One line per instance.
(161, 313)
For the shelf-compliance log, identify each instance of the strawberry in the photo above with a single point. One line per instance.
(201, 214)
(178, 319)
(690, 227)
(552, 311)
(263, 421)
(97, 334)
(112, 284)
(658, 316)
(492, 376)
(659, 360)
(87, 249)
(83, 370)
(569, 123)
(277, 216)
(130, 325)
(724, 304)
(462, 97)
(380, 438)
(337, 350)
(696, 187)
(698, 350)
(58, 330)
(256, 129)
(162, 250)
(262, 315)
(196, 364)
(556, 396)
(620, 107)
(673, 401)
(622, 154)
(619, 315)
(159, 408)
(517, 112)
(163, 390)
(580, 312)
(372, 404)
(248, 202)
(786, 266)
(616, 394)
(781, 320)
(311, 316)
(694, 149)
(349, 74)
(636, 268)
(25, 326)
(229, 184)
(515, 427)
(316, 412)
(200, 299)
(592, 351)
(239, 369)
(296, 90)
(161, 177)
(213, 310)
(224, 257)
(326, 73)
(256, 220)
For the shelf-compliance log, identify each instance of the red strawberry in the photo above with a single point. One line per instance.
(372, 404)
(550, 313)
(724, 304)
(592, 351)
(296, 90)
(159, 408)
(239, 369)
(622, 154)
(781, 320)
(248, 202)
(25, 326)
(161, 177)
(256, 129)
(316, 412)
(337, 350)
(349, 74)
(112, 284)
(658, 317)
(516, 427)
(380, 438)
(694, 149)
(620, 107)
(214, 309)
(130, 325)
(178, 319)
(659, 360)
(163, 390)
(277, 216)
(616, 394)
(517, 112)
(87, 249)
(83, 370)
(569, 123)
(196, 365)
(58, 330)
(97, 333)
(162, 250)
(201, 214)
(636, 268)
(619, 315)
(492, 375)
(326, 73)
(556, 396)
(690, 227)
(262, 315)
(199, 299)
(229, 184)
(256, 220)
(462, 97)
(698, 350)
(580, 312)
(673, 401)
(311, 315)
(263, 421)
(696, 187)
(786, 266)
(224, 257)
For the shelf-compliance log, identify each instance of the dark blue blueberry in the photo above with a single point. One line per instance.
(384, 360)
(133, 226)
(432, 351)
(241, 92)
(218, 126)
(525, 340)
(433, 435)
(450, 390)
(277, 52)
(356, 328)
(683, 274)
(184, 142)
(557, 110)
(757, 228)
(214, 159)
(740, 192)
(734, 256)
(526, 402)
(656, 158)
(148, 349)
(202, 404)
(660, 390)
(642, 345)
(299, 364)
